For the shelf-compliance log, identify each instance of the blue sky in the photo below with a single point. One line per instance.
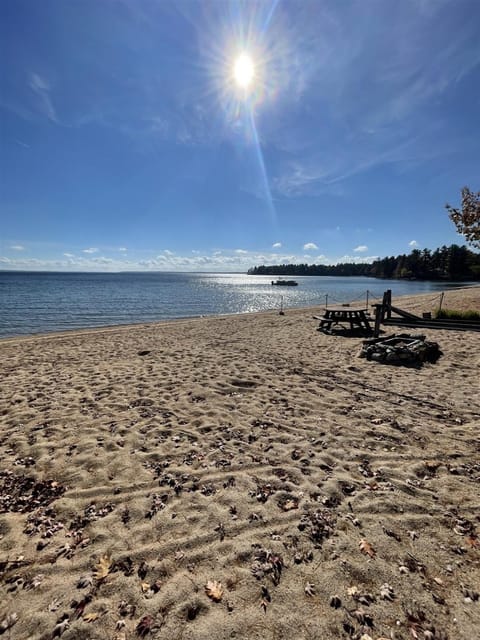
(126, 142)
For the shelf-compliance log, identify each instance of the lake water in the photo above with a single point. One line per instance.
(33, 302)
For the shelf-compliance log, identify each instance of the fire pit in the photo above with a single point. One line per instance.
(401, 349)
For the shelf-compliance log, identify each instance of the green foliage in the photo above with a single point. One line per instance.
(450, 314)
(467, 219)
(452, 263)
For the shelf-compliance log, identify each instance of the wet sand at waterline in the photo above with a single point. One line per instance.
(239, 477)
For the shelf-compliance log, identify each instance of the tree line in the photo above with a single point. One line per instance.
(446, 263)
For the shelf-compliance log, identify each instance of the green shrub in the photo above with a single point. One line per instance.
(450, 314)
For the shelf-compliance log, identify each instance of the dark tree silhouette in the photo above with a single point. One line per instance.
(467, 219)
(446, 263)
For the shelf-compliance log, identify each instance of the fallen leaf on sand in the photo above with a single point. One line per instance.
(54, 604)
(126, 610)
(102, 568)
(60, 627)
(366, 548)
(266, 598)
(65, 550)
(353, 591)
(144, 627)
(150, 590)
(288, 505)
(392, 534)
(310, 589)
(80, 606)
(365, 598)
(142, 570)
(91, 617)
(8, 622)
(335, 602)
(363, 617)
(473, 542)
(386, 592)
(35, 582)
(214, 590)
(84, 581)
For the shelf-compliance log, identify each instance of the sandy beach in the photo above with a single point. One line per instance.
(239, 477)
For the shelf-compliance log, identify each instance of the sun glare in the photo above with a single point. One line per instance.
(243, 71)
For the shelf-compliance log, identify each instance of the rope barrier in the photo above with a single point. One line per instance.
(370, 295)
(426, 302)
(365, 294)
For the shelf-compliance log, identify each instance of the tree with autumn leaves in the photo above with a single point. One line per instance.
(467, 219)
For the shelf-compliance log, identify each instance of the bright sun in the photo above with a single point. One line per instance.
(243, 71)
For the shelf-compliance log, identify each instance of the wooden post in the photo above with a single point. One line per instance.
(281, 313)
(388, 302)
(326, 300)
(441, 302)
(367, 299)
(378, 320)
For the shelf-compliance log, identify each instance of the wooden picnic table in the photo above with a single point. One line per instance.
(356, 318)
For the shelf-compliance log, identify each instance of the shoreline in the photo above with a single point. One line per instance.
(410, 300)
(141, 463)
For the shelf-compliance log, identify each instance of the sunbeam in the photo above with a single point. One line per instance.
(247, 65)
(261, 165)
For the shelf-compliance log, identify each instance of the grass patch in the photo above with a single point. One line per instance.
(450, 314)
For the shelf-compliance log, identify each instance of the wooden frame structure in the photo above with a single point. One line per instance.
(383, 315)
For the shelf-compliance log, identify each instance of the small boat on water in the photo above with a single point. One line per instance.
(284, 283)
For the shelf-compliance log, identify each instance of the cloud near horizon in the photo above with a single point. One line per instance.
(361, 248)
(310, 246)
(215, 261)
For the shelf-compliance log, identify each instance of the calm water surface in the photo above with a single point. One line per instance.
(32, 302)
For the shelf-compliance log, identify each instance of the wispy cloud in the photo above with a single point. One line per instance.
(357, 259)
(413, 244)
(379, 104)
(41, 89)
(310, 246)
(361, 248)
(276, 245)
(17, 247)
(90, 250)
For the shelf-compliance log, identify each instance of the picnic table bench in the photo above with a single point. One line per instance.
(356, 318)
